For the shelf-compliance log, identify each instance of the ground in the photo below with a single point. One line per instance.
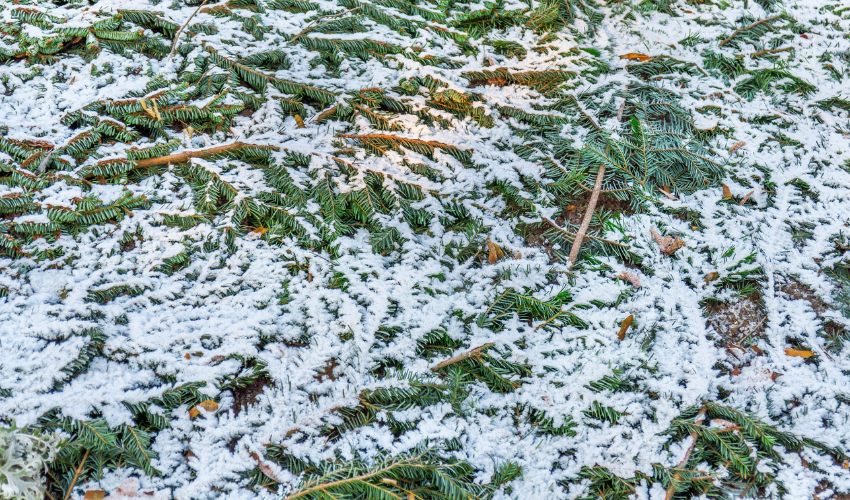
(286, 248)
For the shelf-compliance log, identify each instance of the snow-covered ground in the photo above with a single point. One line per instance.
(319, 326)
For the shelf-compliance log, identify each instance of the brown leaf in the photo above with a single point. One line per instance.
(299, 121)
(207, 404)
(713, 275)
(727, 193)
(668, 244)
(494, 252)
(265, 468)
(94, 495)
(636, 56)
(798, 353)
(624, 327)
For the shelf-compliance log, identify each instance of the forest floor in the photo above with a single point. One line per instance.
(424, 249)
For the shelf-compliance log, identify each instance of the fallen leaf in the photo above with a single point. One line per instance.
(299, 121)
(798, 353)
(713, 275)
(738, 145)
(207, 404)
(727, 193)
(94, 495)
(668, 244)
(746, 198)
(624, 327)
(265, 468)
(636, 56)
(259, 231)
(494, 252)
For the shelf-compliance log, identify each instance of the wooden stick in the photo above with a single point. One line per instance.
(76, 477)
(588, 215)
(185, 156)
(180, 29)
(474, 353)
(671, 490)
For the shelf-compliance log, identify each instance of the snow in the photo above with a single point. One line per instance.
(226, 305)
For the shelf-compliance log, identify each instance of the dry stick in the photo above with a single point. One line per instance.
(474, 353)
(552, 223)
(747, 28)
(588, 215)
(180, 29)
(185, 156)
(76, 477)
(671, 490)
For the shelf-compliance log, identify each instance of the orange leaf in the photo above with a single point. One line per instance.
(299, 121)
(799, 353)
(494, 252)
(624, 327)
(727, 193)
(636, 56)
(94, 495)
(259, 231)
(207, 404)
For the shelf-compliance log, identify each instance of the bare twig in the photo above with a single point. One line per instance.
(588, 215)
(473, 353)
(671, 490)
(181, 28)
(748, 27)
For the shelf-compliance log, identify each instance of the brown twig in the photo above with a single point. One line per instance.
(185, 156)
(671, 490)
(588, 215)
(747, 28)
(181, 28)
(76, 477)
(474, 353)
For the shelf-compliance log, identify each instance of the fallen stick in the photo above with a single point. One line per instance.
(474, 353)
(588, 215)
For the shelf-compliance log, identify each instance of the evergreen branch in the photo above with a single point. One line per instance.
(186, 156)
(749, 27)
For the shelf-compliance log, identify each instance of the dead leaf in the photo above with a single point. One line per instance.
(94, 495)
(727, 193)
(798, 353)
(299, 121)
(208, 405)
(636, 56)
(494, 252)
(259, 231)
(668, 244)
(265, 468)
(746, 198)
(738, 145)
(713, 275)
(624, 327)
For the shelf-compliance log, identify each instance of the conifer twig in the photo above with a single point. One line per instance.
(747, 28)
(473, 353)
(671, 490)
(185, 156)
(76, 476)
(180, 29)
(588, 215)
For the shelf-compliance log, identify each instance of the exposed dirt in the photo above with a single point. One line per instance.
(738, 322)
(249, 395)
